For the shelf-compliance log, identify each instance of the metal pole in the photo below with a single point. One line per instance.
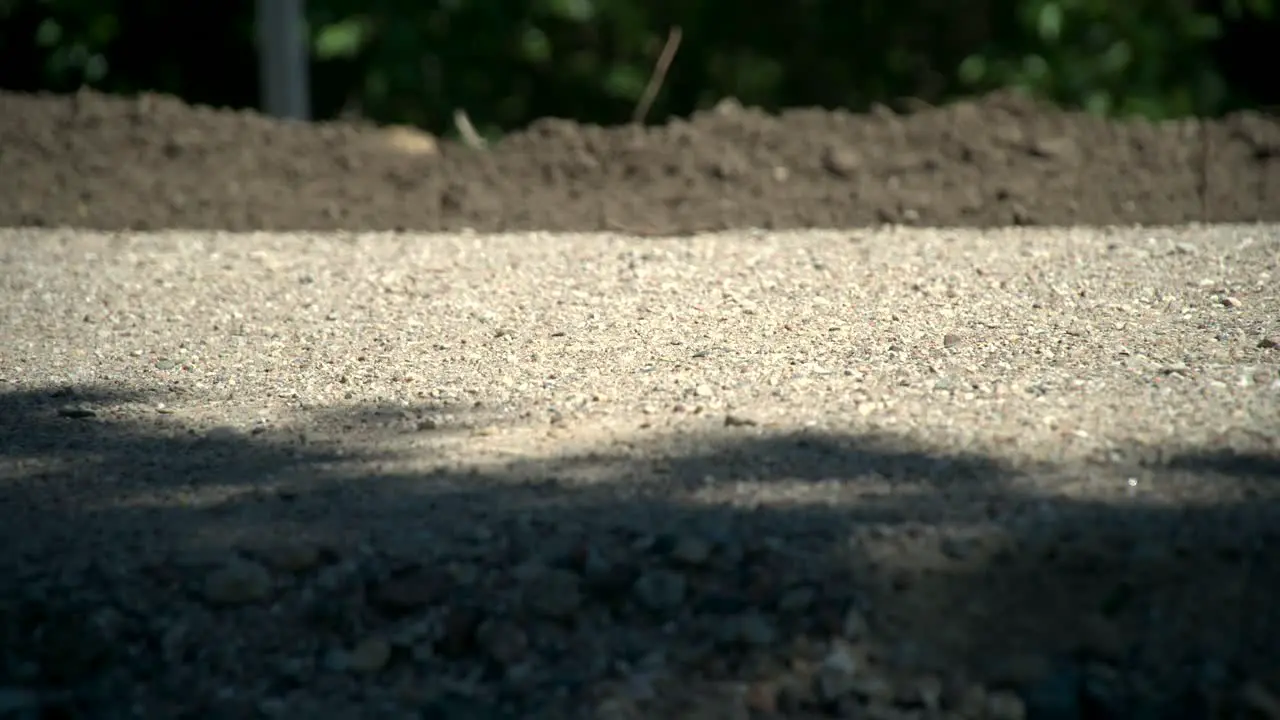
(283, 58)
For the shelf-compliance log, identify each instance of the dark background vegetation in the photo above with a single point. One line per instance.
(508, 63)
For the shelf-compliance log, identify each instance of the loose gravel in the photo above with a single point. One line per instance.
(884, 474)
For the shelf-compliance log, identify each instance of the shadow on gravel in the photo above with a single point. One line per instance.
(1230, 463)
(930, 566)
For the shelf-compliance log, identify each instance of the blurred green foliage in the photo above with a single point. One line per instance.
(507, 63)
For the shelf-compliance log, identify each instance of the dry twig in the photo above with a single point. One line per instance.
(659, 74)
(467, 130)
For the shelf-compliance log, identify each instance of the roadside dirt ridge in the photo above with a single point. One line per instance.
(151, 163)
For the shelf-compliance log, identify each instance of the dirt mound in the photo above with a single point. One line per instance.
(101, 162)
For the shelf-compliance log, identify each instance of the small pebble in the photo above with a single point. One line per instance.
(370, 656)
(293, 557)
(660, 590)
(837, 676)
(1004, 705)
(237, 583)
(691, 550)
(554, 594)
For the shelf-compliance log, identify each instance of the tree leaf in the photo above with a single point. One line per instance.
(341, 39)
(1049, 22)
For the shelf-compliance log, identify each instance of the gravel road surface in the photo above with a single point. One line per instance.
(883, 473)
